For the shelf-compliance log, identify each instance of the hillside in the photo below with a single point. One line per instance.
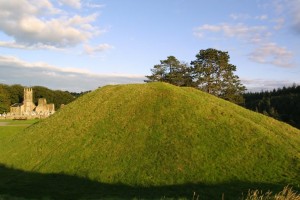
(157, 135)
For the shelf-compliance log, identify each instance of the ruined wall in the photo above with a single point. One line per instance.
(44, 108)
(28, 104)
(28, 109)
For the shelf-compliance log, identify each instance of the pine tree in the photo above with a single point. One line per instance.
(213, 73)
(171, 71)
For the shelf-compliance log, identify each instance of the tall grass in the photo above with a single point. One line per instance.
(286, 194)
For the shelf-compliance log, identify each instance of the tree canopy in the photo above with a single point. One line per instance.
(171, 71)
(4, 99)
(213, 73)
(210, 72)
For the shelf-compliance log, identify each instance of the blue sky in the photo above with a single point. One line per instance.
(80, 45)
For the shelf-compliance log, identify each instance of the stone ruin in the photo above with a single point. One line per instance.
(28, 110)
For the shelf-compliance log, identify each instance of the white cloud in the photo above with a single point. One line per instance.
(262, 17)
(39, 23)
(16, 62)
(271, 53)
(93, 5)
(239, 16)
(99, 48)
(15, 45)
(16, 71)
(208, 27)
(244, 16)
(265, 52)
(71, 3)
(251, 33)
(16, 9)
(12, 44)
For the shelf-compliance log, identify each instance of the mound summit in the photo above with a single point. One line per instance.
(157, 134)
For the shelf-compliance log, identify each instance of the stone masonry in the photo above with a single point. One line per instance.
(28, 110)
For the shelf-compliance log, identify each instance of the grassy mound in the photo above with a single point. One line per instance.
(155, 135)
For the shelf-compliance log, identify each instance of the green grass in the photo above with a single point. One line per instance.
(18, 122)
(12, 127)
(153, 136)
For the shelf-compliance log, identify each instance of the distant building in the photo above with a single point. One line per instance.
(28, 109)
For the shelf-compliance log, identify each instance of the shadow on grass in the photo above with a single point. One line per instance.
(29, 185)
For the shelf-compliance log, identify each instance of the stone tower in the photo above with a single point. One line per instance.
(28, 100)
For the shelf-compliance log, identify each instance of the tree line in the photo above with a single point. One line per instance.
(210, 72)
(282, 104)
(10, 94)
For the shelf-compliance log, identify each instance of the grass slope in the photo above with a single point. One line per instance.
(156, 135)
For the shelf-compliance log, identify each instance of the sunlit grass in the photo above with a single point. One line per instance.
(12, 127)
(155, 135)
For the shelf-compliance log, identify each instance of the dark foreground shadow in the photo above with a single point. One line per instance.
(28, 185)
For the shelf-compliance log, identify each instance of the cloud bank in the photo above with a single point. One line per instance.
(17, 71)
(39, 24)
(253, 34)
(271, 53)
(257, 85)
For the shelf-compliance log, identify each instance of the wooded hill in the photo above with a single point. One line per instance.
(282, 104)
